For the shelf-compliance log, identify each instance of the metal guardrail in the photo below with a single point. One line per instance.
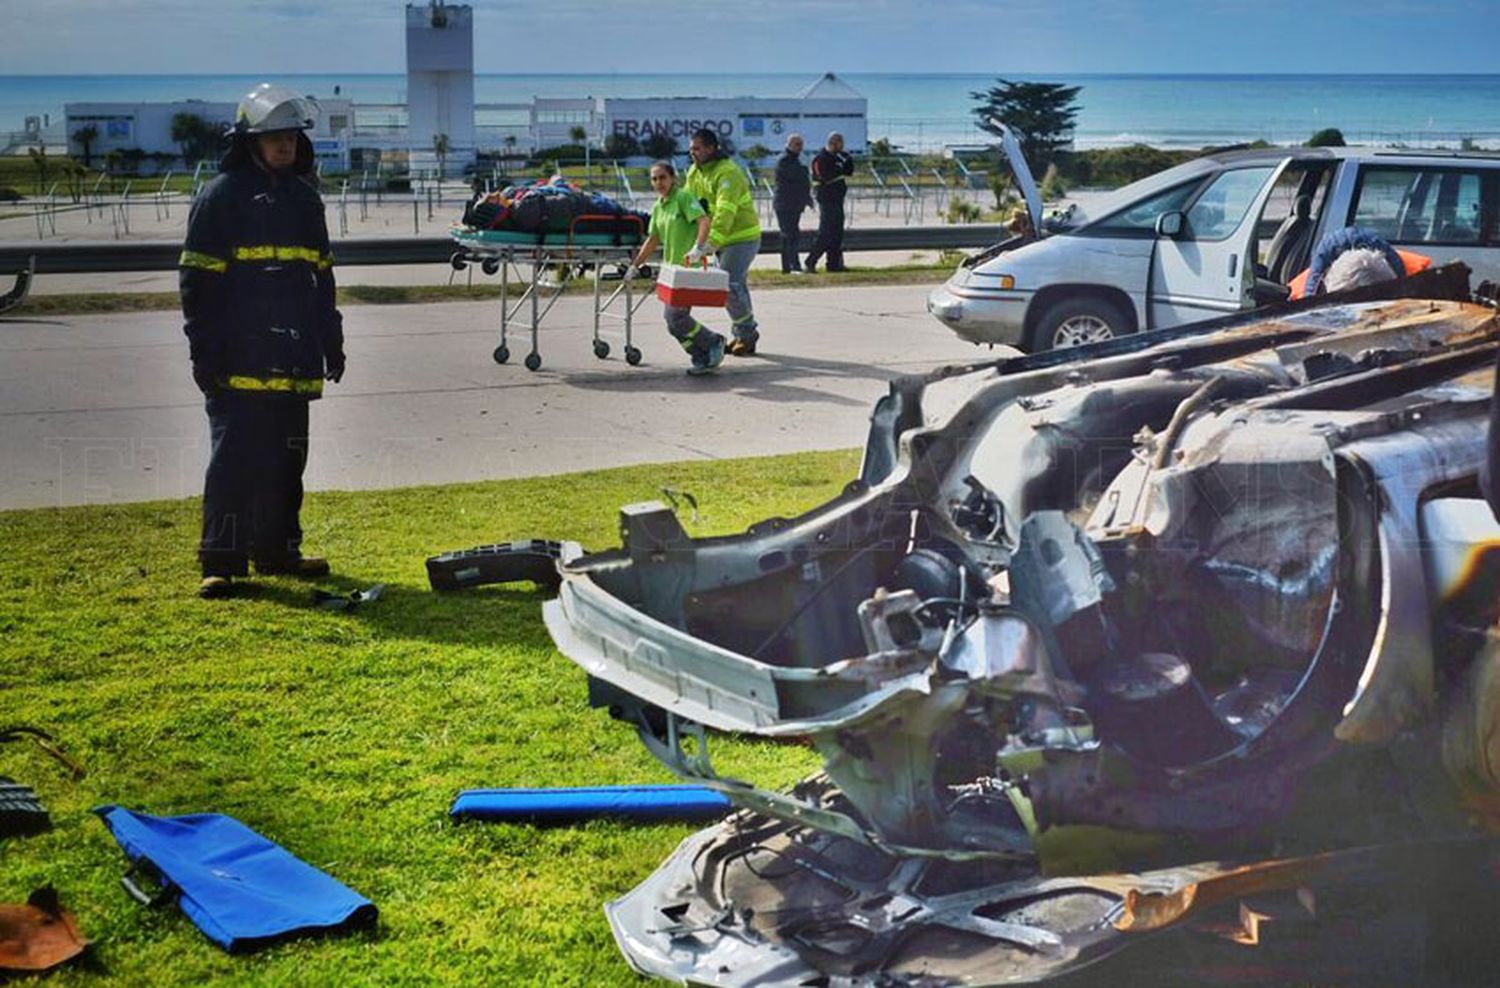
(93, 257)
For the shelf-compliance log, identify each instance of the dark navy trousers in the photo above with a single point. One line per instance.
(252, 494)
(830, 232)
(789, 221)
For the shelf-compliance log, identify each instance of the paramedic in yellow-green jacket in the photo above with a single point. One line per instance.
(723, 190)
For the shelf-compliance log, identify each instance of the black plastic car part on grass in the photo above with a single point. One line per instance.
(1179, 632)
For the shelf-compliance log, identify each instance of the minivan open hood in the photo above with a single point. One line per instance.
(1022, 171)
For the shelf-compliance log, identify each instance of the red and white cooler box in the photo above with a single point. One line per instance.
(685, 287)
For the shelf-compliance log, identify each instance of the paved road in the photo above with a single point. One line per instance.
(97, 409)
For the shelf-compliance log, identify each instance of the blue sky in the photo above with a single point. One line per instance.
(65, 37)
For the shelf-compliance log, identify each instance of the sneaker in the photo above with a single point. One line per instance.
(798, 271)
(705, 362)
(742, 346)
(304, 567)
(215, 587)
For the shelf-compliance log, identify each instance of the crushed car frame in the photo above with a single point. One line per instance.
(1202, 605)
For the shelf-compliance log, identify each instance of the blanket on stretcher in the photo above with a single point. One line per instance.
(553, 207)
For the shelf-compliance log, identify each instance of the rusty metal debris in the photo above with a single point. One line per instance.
(1193, 602)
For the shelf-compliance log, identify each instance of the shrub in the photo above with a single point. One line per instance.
(1053, 186)
(1005, 196)
(1328, 137)
(962, 211)
(659, 146)
(563, 152)
(621, 146)
(1113, 167)
(9, 195)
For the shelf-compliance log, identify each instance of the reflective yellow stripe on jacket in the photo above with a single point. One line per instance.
(262, 252)
(289, 385)
(276, 252)
(203, 262)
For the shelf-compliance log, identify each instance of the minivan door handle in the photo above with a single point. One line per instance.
(1233, 262)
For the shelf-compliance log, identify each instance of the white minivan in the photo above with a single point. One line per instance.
(1218, 234)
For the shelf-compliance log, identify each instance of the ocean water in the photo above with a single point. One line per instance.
(923, 112)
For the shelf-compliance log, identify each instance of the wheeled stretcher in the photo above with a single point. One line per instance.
(528, 258)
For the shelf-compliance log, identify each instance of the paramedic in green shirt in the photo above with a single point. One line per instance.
(723, 190)
(680, 227)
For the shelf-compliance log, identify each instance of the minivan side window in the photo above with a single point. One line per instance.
(1420, 205)
(1140, 219)
(1221, 208)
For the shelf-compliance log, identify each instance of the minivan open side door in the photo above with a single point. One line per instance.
(1203, 264)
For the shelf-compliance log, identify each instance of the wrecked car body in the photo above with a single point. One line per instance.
(1157, 592)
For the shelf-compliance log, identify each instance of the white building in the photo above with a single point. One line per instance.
(439, 84)
(147, 127)
(440, 110)
(828, 105)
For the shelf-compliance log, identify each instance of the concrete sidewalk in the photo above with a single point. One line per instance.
(97, 409)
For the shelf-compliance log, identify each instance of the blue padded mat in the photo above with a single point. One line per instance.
(242, 890)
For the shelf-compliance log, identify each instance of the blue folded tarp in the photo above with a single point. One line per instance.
(567, 805)
(239, 888)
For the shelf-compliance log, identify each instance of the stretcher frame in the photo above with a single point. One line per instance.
(528, 258)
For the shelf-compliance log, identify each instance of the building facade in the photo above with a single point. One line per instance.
(148, 127)
(439, 86)
(440, 127)
(828, 105)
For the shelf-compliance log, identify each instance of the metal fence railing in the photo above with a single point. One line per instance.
(161, 255)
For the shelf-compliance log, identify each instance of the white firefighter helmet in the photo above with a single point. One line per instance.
(267, 108)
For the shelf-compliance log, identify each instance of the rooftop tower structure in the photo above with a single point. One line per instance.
(440, 85)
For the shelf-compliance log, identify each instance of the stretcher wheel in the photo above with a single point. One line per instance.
(632, 355)
(533, 360)
(490, 265)
(601, 349)
(502, 353)
(458, 261)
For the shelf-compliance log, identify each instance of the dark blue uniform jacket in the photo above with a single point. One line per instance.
(257, 282)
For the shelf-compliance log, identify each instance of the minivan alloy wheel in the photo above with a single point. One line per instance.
(1080, 329)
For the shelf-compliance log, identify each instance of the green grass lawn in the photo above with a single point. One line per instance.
(344, 736)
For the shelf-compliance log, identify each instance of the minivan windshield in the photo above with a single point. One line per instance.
(1127, 196)
(1141, 217)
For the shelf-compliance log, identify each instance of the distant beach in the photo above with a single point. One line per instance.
(925, 112)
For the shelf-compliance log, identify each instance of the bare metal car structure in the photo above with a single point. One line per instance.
(1211, 587)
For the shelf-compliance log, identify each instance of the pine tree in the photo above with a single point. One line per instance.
(1040, 114)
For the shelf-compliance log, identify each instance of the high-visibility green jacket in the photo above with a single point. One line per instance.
(723, 190)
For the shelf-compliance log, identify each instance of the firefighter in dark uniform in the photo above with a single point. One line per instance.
(263, 334)
(831, 168)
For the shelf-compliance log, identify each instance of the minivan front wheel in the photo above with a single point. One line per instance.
(1076, 321)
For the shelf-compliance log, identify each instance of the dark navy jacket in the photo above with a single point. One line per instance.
(256, 276)
(793, 185)
(829, 170)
